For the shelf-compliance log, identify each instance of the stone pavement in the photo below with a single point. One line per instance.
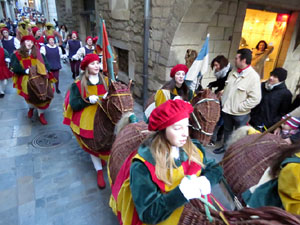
(45, 178)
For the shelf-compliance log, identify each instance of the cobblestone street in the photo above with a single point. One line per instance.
(45, 177)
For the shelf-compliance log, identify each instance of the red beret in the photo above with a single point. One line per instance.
(169, 113)
(74, 32)
(3, 29)
(28, 37)
(88, 59)
(177, 68)
(88, 37)
(95, 39)
(34, 30)
(50, 36)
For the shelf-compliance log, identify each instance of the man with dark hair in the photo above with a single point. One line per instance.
(275, 102)
(241, 93)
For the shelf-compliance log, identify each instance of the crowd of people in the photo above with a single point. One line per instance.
(168, 169)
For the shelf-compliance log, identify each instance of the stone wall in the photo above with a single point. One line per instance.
(176, 25)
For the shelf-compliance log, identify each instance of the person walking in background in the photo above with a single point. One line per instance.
(63, 31)
(9, 43)
(5, 72)
(242, 93)
(38, 36)
(275, 103)
(221, 68)
(259, 56)
(22, 30)
(87, 49)
(50, 31)
(71, 49)
(53, 55)
(21, 61)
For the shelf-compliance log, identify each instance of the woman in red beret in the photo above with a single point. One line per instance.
(81, 106)
(87, 49)
(165, 173)
(176, 87)
(21, 60)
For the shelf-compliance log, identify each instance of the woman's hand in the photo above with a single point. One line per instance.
(93, 99)
(189, 187)
(277, 131)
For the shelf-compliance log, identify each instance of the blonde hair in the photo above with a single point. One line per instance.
(84, 77)
(160, 149)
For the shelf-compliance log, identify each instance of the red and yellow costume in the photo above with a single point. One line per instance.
(81, 116)
(137, 187)
(20, 78)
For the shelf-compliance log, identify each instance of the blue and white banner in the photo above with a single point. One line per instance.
(199, 66)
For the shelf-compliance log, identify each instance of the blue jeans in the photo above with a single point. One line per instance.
(232, 122)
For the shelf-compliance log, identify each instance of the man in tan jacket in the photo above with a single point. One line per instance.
(242, 92)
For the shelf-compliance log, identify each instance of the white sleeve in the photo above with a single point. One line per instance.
(60, 51)
(79, 54)
(43, 50)
(67, 49)
(16, 43)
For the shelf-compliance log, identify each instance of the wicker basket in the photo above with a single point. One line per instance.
(128, 140)
(194, 214)
(207, 111)
(245, 161)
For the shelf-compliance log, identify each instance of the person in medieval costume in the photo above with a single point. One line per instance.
(87, 49)
(22, 30)
(50, 31)
(71, 48)
(21, 61)
(53, 54)
(166, 172)
(176, 88)
(40, 40)
(5, 72)
(81, 106)
(9, 43)
(280, 184)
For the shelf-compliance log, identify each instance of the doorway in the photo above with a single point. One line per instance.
(268, 26)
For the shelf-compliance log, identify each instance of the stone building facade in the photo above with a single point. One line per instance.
(177, 25)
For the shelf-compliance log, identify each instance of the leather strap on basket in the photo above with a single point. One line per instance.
(196, 119)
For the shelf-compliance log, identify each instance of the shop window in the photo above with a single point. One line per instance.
(268, 26)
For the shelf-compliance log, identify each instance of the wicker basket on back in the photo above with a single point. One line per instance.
(246, 160)
(127, 141)
(118, 102)
(194, 214)
(207, 111)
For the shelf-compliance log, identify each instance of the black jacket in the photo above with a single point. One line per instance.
(219, 83)
(273, 105)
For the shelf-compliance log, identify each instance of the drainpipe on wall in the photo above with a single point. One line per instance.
(146, 43)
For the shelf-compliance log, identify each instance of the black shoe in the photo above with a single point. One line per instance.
(2, 95)
(73, 76)
(57, 91)
(219, 150)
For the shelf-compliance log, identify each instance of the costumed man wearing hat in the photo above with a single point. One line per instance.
(166, 172)
(275, 102)
(176, 88)
(50, 31)
(40, 40)
(9, 43)
(22, 30)
(53, 53)
(71, 48)
(81, 105)
(5, 72)
(87, 49)
(21, 61)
